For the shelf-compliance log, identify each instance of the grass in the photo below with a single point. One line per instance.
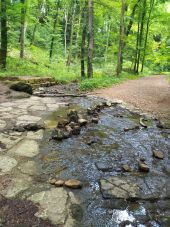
(36, 63)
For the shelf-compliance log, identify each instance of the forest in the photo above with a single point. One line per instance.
(102, 40)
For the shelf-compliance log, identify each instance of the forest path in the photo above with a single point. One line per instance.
(150, 94)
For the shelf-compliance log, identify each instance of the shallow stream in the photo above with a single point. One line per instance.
(111, 148)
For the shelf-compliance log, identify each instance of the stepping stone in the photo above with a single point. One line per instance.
(126, 168)
(74, 184)
(6, 164)
(27, 148)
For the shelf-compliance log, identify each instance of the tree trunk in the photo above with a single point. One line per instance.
(23, 27)
(121, 39)
(54, 29)
(65, 33)
(152, 2)
(69, 60)
(83, 39)
(141, 35)
(90, 39)
(4, 37)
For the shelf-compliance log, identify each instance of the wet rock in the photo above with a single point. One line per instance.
(29, 127)
(63, 123)
(126, 168)
(143, 167)
(76, 130)
(131, 129)
(59, 183)
(69, 129)
(104, 167)
(82, 122)
(73, 116)
(142, 159)
(58, 134)
(92, 141)
(38, 135)
(119, 187)
(91, 111)
(74, 184)
(22, 87)
(95, 120)
(158, 154)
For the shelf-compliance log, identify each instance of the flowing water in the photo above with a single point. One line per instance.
(111, 148)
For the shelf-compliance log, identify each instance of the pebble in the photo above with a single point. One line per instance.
(126, 168)
(158, 154)
(74, 184)
(59, 183)
(143, 167)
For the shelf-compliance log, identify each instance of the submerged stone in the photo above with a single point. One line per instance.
(104, 167)
(158, 154)
(143, 167)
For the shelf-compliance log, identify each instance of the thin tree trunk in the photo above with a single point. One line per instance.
(137, 47)
(23, 27)
(90, 39)
(147, 32)
(69, 60)
(33, 34)
(83, 40)
(107, 41)
(4, 36)
(121, 39)
(65, 33)
(77, 36)
(141, 35)
(54, 29)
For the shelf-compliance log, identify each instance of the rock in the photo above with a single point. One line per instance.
(53, 205)
(95, 120)
(142, 159)
(59, 183)
(26, 147)
(29, 168)
(59, 134)
(74, 184)
(82, 122)
(6, 164)
(76, 130)
(92, 141)
(52, 181)
(119, 187)
(73, 116)
(22, 87)
(158, 154)
(63, 123)
(143, 167)
(104, 167)
(90, 111)
(69, 129)
(126, 168)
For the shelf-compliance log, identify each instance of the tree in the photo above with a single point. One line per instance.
(4, 37)
(90, 39)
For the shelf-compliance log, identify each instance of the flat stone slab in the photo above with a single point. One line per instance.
(26, 147)
(2, 124)
(27, 119)
(9, 140)
(53, 205)
(132, 187)
(28, 168)
(12, 186)
(6, 164)
(35, 135)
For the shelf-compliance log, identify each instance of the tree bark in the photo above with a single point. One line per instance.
(90, 39)
(83, 40)
(54, 30)
(23, 27)
(4, 36)
(121, 39)
(152, 2)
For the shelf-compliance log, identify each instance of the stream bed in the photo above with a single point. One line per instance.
(111, 197)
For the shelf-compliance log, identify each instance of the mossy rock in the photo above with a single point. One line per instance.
(22, 87)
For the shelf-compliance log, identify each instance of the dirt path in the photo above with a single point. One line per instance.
(150, 94)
